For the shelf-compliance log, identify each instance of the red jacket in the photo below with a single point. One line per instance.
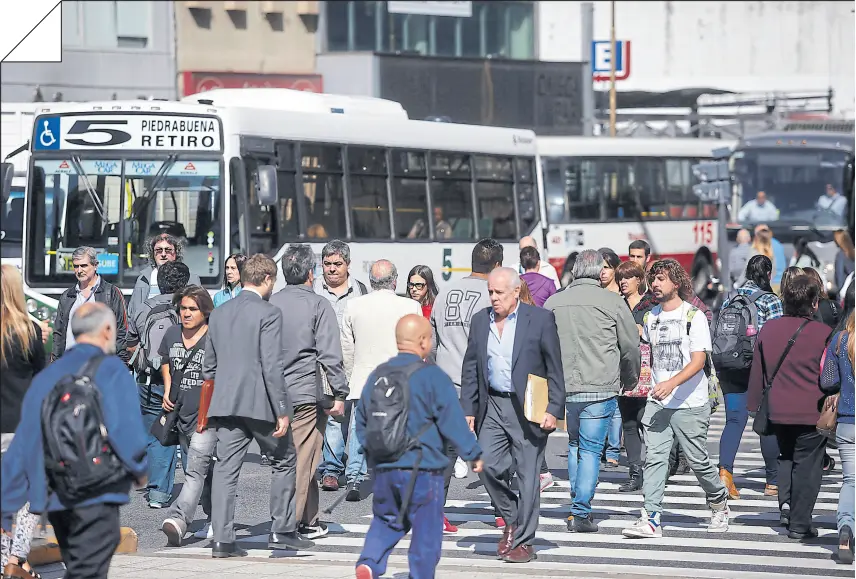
(795, 392)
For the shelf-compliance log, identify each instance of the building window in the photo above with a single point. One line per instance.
(495, 28)
(133, 24)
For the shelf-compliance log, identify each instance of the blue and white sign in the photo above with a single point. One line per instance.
(601, 58)
(108, 263)
(142, 132)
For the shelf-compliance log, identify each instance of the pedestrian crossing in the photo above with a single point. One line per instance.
(755, 547)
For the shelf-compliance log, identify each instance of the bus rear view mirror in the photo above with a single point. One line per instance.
(266, 186)
(8, 174)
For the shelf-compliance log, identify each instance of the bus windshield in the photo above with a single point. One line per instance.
(799, 187)
(115, 205)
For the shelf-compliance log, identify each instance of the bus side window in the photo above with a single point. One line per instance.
(495, 197)
(369, 199)
(451, 196)
(582, 191)
(555, 190)
(322, 187)
(409, 194)
(527, 199)
(648, 191)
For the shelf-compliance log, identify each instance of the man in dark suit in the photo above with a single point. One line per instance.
(245, 359)
(507, 342)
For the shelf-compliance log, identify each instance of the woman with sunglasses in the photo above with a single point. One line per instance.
(421, 287)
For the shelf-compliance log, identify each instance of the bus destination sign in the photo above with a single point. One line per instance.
(143, 132)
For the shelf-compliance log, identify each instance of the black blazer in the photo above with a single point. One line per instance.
(536, 351)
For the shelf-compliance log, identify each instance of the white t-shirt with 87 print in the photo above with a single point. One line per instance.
(670, 353)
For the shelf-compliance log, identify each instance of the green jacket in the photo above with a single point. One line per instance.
(598, 337)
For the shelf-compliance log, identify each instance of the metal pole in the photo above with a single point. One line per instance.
(587, 22)
(724, 248)
(612, 69)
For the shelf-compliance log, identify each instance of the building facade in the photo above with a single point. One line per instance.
(111, 50)
(742, 47)
(236, 44)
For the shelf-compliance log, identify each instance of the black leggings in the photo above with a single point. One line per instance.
(632, 409)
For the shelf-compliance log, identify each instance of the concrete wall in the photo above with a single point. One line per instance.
(350, 73)
(93, 66)
(738, 46)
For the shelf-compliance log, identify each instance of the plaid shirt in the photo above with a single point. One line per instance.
(769, 306)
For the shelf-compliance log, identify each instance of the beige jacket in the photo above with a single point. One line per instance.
(368, 334)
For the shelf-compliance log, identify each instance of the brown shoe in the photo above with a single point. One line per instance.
(504, 545)
(330, 483)
(520, 554)
(771, 491)
(728, 480)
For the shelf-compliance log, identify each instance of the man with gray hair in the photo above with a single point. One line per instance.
(368, 340)
(338, 287)
(90, 288)
(313, 355)
(600, 357)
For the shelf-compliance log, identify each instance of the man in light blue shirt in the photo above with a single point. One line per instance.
(500, 348)
(758, 210)
(832, 203)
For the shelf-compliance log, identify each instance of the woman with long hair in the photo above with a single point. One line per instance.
(828, 311)
(526, 295)
(22, 356)
(837, 379)
(763, 242)
(607, 274)
(421, 287)
(232, 286)
(803, 255)
(788, 276)
(183, 350)
(844, 259)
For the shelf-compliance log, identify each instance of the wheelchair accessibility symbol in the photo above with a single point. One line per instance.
(47, 137)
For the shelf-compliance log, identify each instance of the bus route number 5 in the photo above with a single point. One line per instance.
(703, 232)
(447, 264)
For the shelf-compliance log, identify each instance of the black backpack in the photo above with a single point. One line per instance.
(732, 344)
(79, 461)
(386, 438)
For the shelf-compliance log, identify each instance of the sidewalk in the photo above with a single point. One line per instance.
(193, 567)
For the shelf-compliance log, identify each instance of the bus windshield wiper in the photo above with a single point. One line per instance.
(159, 177)
(93, 196)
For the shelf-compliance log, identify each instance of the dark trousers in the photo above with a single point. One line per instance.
(87, 538)
(424, 518)
(632, 409)
(801, 450)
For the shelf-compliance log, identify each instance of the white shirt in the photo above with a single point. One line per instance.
(546, 270)
(154, 290)
(837, 204)
(671, 348)
(753, 212)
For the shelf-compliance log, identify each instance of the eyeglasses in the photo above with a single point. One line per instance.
(164, 250)
(417, 285)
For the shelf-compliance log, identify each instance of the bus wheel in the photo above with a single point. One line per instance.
(702, 277)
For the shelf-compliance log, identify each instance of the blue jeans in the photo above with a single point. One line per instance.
(162, 459)
(333, 450)
(588, 423)
(356, 468)
(424, 518)
(613, 438)
(736, 416)
(844, 437)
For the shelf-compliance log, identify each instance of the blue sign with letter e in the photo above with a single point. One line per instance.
(600, 56)
(47, 134)
(108, 263)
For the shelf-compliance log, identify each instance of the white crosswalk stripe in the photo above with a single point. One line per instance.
(755, 547)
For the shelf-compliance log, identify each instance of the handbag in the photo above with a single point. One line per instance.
(828, 421)
(762, 425)
(165, 428)
(714, 391)
(643, 387)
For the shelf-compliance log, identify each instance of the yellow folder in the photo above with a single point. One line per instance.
(536, 399)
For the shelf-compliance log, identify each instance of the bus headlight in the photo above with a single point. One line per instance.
(44, 313)
(32, 306)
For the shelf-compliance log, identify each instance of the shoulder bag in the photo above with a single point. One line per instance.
(165, 428)
(762, 424)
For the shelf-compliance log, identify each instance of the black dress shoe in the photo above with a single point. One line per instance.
(222, 550)
(810, 534)
(584, 525)
(289, 541)
(785, 518)
(353, 495)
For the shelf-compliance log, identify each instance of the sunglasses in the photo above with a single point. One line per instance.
(164, 250)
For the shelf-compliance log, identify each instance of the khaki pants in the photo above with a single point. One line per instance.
(308, 430)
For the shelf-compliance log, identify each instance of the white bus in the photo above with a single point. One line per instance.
(608, 192)
(252, 170)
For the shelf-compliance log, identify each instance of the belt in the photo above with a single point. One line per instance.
(499, 394)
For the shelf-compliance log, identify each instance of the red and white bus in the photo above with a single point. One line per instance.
(608, 192)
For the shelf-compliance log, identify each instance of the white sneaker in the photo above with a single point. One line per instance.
(646, 527)
(720, 514)
(546, 481)
(461, 468)
(172, 529)
(205, 532)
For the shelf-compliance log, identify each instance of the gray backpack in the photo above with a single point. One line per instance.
(146, 359)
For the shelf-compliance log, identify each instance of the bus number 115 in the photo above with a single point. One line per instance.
(703, 232)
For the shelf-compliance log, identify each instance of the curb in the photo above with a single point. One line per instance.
(45, 550)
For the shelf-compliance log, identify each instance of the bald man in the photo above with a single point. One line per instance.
(544, 268)
(368, 340)
(434, 417)
(739, 257)
(509, 341)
